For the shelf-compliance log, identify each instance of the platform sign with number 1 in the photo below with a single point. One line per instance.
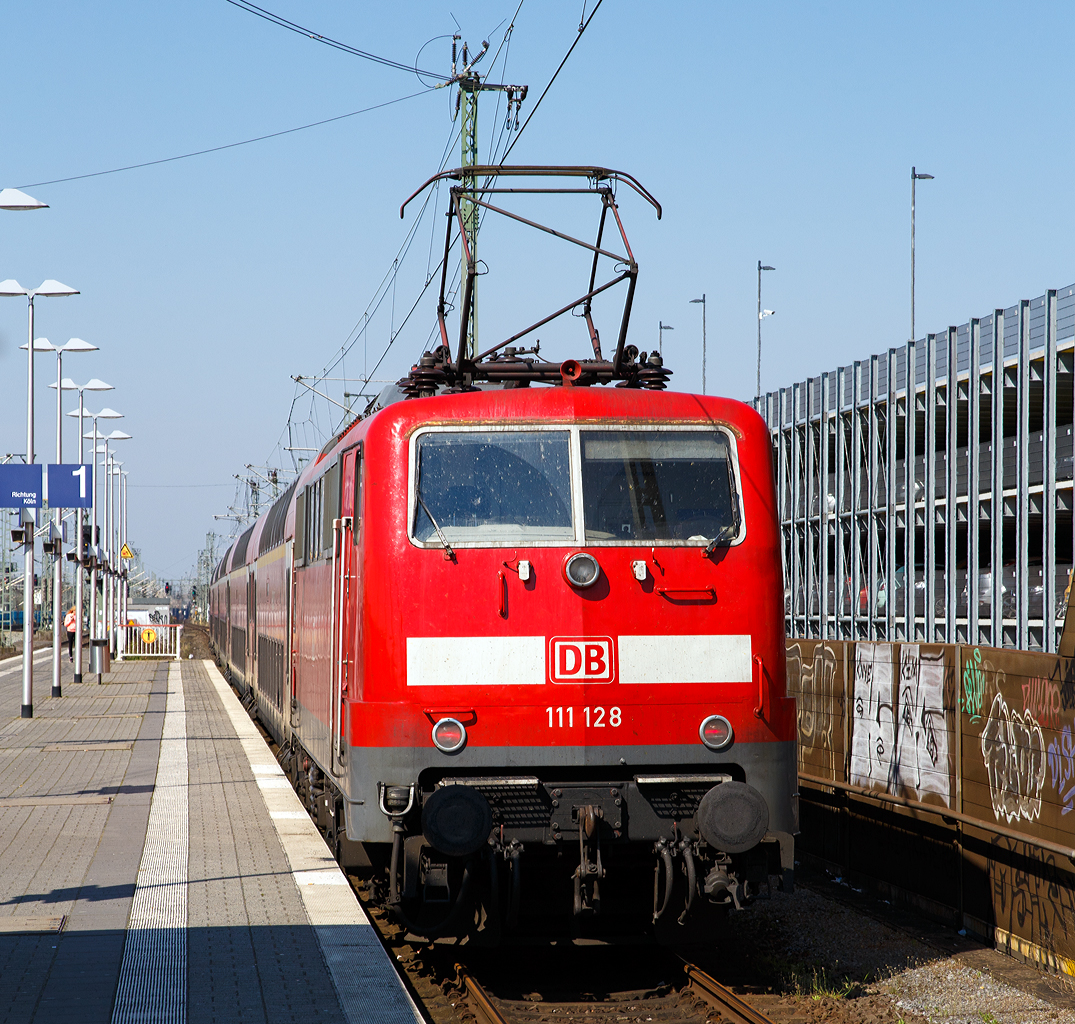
(69, 486)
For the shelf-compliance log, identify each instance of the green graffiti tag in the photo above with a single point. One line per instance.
(973, 686)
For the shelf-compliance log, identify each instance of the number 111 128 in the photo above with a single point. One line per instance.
(594, 718)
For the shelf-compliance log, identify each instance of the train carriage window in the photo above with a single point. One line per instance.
(300, 526)
(493, 487)
(330, 483)
(357, 507)
(642, 486)
(313, 533)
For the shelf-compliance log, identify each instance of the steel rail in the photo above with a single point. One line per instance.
(943, 812)
(486, 1013)
(724, 999)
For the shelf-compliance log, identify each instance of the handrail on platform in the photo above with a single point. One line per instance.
(156, 640)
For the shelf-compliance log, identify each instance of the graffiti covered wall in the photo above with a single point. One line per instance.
(987, 733)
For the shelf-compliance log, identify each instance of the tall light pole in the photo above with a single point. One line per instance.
(13, 200)
(49, 289)
(762, 314)
(107, 414)
(111, 534)
(80, 599)
(71, 345)
(661, 328)
(123, 543)
(915, 176)
(702, 301)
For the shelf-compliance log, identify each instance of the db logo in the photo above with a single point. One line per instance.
(582, 659)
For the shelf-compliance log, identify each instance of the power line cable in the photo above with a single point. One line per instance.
(230, 145)
(317, 37)
(582, 28)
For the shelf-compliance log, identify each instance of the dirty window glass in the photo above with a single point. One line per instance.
(659, 485)
(494, 487)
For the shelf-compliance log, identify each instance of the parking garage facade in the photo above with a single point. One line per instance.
(926, 492)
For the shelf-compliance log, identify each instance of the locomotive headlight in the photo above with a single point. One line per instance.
(449, 735)
(581, 570)
(715, 732)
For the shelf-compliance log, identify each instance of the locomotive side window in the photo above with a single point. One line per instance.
(494, 487)
(357, 507)
(315, 511)
(650, 485)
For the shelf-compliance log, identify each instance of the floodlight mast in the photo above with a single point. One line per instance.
(503, 363)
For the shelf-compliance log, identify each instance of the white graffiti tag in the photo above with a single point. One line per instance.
(873, 738)
(1013, 749)
(922, 762)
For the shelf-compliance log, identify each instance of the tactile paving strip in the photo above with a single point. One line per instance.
(153, 977)
(364, 979)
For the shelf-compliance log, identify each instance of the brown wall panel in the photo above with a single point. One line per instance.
(884, 717)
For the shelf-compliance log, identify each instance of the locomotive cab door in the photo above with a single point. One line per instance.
(344, 534)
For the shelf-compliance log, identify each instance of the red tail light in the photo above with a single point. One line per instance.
(449, 735)
(715, 732)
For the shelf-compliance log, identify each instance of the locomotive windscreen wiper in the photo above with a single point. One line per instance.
(448, 552)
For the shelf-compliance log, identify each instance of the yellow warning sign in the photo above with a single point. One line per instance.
(149, 636)
(125, 552)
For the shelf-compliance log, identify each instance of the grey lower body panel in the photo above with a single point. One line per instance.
(769, 767)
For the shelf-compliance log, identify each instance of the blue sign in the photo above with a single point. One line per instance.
(20, 486)
(70, 486)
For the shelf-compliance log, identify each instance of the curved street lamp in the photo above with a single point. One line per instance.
(79, 552)
(104, 414)
(49, 289)
(71, 345)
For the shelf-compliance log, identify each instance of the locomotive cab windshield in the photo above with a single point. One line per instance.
(484, 487)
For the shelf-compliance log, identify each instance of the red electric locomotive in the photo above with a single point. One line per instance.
(522, 646)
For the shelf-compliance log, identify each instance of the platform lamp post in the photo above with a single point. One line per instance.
(114, 560)
(762, 314)
(14, 201)
(71, 345)
(80, 596)
(123, 542)
(702, 301)
(110, 533)
(661, 328)
(50, 290)
(915, 177)
(105, 414)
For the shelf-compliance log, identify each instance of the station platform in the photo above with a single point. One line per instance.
(155, 864)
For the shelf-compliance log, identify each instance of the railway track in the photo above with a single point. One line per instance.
(585, 989)
(702, 999)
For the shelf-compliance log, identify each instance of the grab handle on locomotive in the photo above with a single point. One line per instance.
(759, 669)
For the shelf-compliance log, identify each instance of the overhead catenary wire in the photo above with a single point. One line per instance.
(582, 28)
(229, 145)
(388, 282)
(317, 37)
(359, 330)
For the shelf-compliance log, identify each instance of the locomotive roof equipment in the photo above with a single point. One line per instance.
(504, 363)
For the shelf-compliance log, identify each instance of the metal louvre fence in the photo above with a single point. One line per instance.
(938, 510)
(140, 641)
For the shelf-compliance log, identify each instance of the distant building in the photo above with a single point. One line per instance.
(983, 552)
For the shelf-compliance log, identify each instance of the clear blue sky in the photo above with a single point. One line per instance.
(783, 132)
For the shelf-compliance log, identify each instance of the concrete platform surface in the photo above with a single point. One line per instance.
(155, 865)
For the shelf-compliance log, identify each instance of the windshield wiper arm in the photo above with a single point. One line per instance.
(448, 552)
